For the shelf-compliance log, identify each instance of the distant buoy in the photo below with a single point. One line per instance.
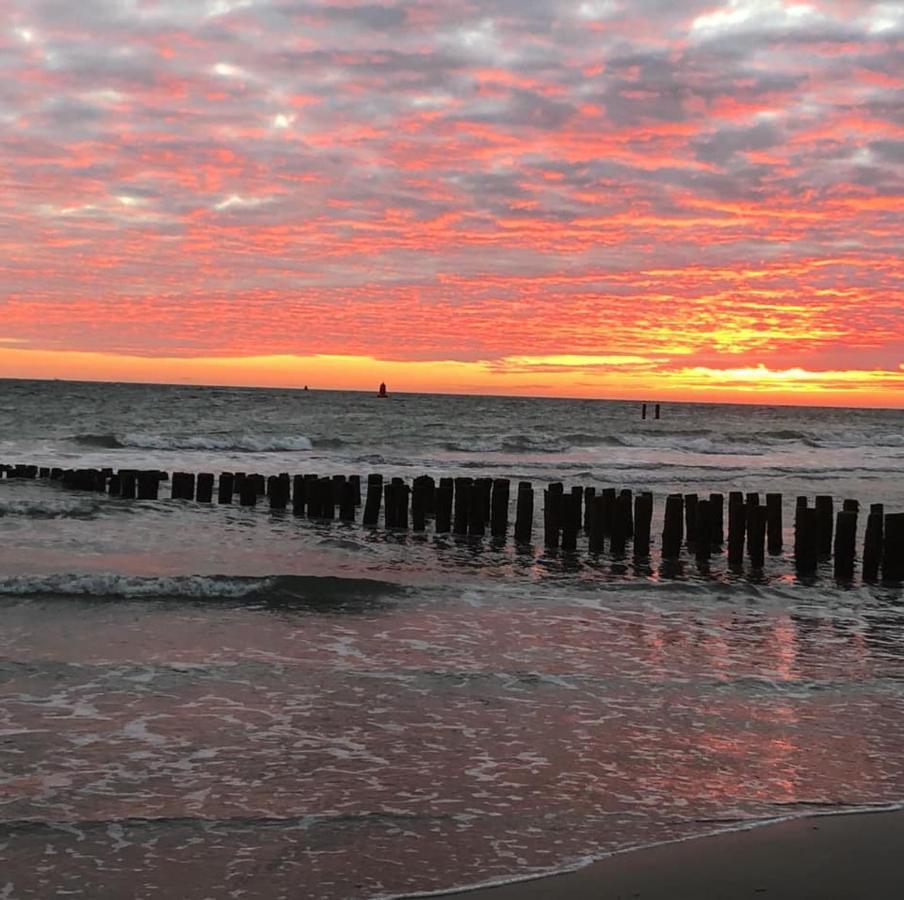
(382, 392)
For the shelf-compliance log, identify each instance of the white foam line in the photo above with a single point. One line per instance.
(897, 806)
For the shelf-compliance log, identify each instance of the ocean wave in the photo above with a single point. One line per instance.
(244, 443)
(313, 590)
(51, 509)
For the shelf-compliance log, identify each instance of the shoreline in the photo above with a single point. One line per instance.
(823, 856)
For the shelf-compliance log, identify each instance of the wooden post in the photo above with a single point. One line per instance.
(657, 410)
(278, 489)
(893, 551)
(627, 496)
(589, 494)
(356, 485)
(673, 526)
(298, 495)
(148, 485)
(703, 540)
(609, 496)
(248, 494)
(774, 523)
(717, 520)
(238, 480)
(643, 523)
(114, 485)
(390, 511)
(524, 516)
(204, 492)
(690, 519)
(444, 494)
(500, 508)
(374, 497)
(463, 488)
(127, 483)
(643, 411)
(805, 540)
(873, 541)
(419, 505)
(552, 514)
(597, 536)
(621, 524)
(850, 505)
(756, 535)
(484, 492)
(571, 506)
(183, 486)
(476, 516)
(845, 547)
(737, 524)
(825, 520)
(402, 492)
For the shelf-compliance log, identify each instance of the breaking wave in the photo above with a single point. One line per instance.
(245, 443)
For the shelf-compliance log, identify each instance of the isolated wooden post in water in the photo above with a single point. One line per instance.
(444, 494)
(845, 548)
(657, 410)
(825, 520)
(374, 497)
(872, 542)
(500, 508)
(673, 526)
(643, 523)
(552, 514)
(893, 551)
(524, 516)
(774, 523)
(204, 487)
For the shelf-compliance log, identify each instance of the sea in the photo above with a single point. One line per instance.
(205, 701)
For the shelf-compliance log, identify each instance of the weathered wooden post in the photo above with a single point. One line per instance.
(476, 517)
(717, 520)
(774, 523)
(577, 508)
(356, 484)
(524, 516)
(825, 520)
(402, 492)
(225, 487)
(298, 495)
(756, 534)
(570, 518)
(845, 547)
(806, 544)
(463, 488)
(485, 490)
(374, 496)
(597, 536)
(204, 492)
(873, 541)
(627, 496)
(444, 495)
(552, 514)
(657, 410)
(500, 508)
(278, 489)
(127, 483)
(703, 540)
(690, 519)
(248, 492)
(589, 494)
(621, 524)
(643, 411)
(419, 505)
(114, 485)
(643, 523)
(850, 505)
(183, 486)
(338, 481)
(390, 511)
(737, 525)
(673, 526)
(893, 550)
(609, 495)
(327, 498)
(148, 485)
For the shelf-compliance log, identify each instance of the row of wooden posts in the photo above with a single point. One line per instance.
(477, 506)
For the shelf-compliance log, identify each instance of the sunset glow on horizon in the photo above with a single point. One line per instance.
(593, 198)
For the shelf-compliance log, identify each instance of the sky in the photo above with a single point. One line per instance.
(660, 199)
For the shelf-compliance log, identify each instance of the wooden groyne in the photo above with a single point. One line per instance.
(582, 518)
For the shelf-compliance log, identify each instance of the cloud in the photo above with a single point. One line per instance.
(538, 180)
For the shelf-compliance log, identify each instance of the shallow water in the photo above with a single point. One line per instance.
(235, 701)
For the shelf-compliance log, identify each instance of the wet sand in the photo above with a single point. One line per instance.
(842, 857)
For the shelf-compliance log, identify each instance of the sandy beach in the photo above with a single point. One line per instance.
(836, 857)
